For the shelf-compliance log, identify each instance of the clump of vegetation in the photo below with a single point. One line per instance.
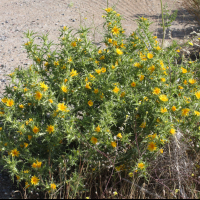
(81, 110)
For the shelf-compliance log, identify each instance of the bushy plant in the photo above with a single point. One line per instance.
(80, 105)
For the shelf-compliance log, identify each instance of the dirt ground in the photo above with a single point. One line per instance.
(48, 16)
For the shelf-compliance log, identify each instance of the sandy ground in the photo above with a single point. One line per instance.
(48, 16)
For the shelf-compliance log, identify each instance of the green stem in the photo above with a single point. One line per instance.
(163, 23)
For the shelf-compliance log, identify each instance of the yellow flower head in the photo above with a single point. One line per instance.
(98, 129)
(137, 65)
(141, 77)
(10, 103)
(36, 129)
(122, 94)
(172, 131)
(73, 44)
(197, 94)
(192, 81)
(149, 55)
(152, 68)
(141, 165)
(94, 140)
(115, 30)
(34, 180)
(143, 125)
(103, 69)
(14, 153)
(62, 107)
(64, 89)
(25, 144)
(156, 91)
(119, 135)
(90, 103)
(133, 84)
(173, 108)
(184, 70)
(110, 40)
(116, 89)
(163, 110)
(185, 111)
(161, 151)
(87, 86)
(21, 106)
(197, 113)
(44, 86)
(50, 100)
(114, 144)
(96, 91)
(53, 186)
(73, 73)
(30, 137)
(50, 128)
(163, 97)
(4, 100)
(119, 52)
(152, 146)
(108, 9)
(38, 95)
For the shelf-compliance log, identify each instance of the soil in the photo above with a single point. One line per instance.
(48, 16)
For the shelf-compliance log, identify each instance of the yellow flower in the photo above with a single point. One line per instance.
(197, 94)
(21, 106)
(185, 111)
(115, 30)
(163, 97)
(163, 110)
(38, 95)
(197, 113)
(53, 186)
(26, 171)
(116, 89)
(119, 135)
(90, 103)
(157, 48)
(73, 44)
(98, 71)
(96, 91)
(161, 150)
(34, 180)
(152, 146)
(143, 125)
(122, 94)
(173, 108)
(102, 57)
(36, 129)
(62, 107)
(180, 87)
(88, 85)
(192, 81)
(56, 63)
(25, 144)
(141, 77)
(137, 65)
(50, 100)
(110, 40)
(29, 137)
(103, 69)
(108, 9)
(50, 128)
(141, 165)
(73, 73)
(44, 86)
(144, 19)
(25, 89)
(98, 129)
(4, 100)
(190, 43)
(113, 144)
(130, 174)
(119, 52)
(10, 103)
(178, 50)
(149, 55)
(172, 131)
(133, 84)
(0, 128)
(64, 88)
(152, 68)
(156, 91)
(94, 140)
(184, 70)
(14, 153)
